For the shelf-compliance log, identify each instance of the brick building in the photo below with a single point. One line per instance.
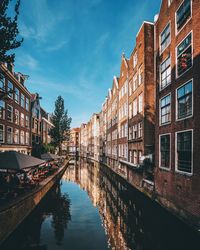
(36, 123)
(74, 142)
(15, 133)
(177, 108)
(141, 99)
(46, 125)
(123, 116)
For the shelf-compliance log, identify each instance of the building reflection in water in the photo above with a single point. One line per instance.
(131, 220)
(56, 208)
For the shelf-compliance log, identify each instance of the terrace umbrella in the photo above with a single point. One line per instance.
(49, 157)
(12, 160)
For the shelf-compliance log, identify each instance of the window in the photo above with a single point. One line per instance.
(184, 152)
(135, 132)
(9, 113)
(164, 151)
(130, 133)
(130, 110)
(16, 117)
(165, 38)
(135, 82)
(140, 157)
(130, 88)
(135, 59)
(22, 100)
(2, 109)
(140, 103)
(165, 73)
(27, 122)
(10, 89)
(27, 138)
(140, 80)
(135, 158)
(22, 137)
(184, 101)
(27, 104)
(16, 136)
(2, 133)
(165, 109)
(2, 81)
(183, 14)
(139, 129)
(9, 135)
(16, 95)
(22, 120)
(169, 2)
(135, 107)
(184, 55)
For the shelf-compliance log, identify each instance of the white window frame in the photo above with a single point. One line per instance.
(15, 134)
(160, 123)
(169, 23)
(184, 118)
(17, 100)
(178, 76)
(168, 57)
(176, 167)
(7, 112)
(8, 127)
(140, 102)
(160, 135)
(176, 31)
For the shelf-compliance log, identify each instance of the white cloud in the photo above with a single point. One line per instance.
(57, 46)
(26, 60)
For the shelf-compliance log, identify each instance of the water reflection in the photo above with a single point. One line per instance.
(131, 220)
(68, 219)
(54, 207)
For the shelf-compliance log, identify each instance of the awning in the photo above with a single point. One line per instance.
(49, 157)
(18, 161)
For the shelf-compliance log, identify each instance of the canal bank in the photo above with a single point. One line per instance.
(14, 212)
(147, 187)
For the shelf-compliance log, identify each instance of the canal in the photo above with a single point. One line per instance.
(93, 208)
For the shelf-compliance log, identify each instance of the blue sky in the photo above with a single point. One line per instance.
(73, 48)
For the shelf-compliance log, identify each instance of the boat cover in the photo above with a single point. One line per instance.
(18, 161)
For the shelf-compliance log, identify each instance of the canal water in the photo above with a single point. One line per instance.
(94, 209)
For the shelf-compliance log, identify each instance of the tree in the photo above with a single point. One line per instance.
(61, 122)
(8, 31)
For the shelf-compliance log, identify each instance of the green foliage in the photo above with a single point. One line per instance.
(45, 148)
(61, 130)
(8, 31)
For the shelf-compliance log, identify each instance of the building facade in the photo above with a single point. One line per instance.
(15, 132)
(177, 171)
(74, 142)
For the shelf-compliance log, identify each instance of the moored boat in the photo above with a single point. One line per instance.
(14, 211)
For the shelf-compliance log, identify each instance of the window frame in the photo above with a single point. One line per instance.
(8, 127)
(176, 55)
(159, 163)
(3, 141)
(3, 110)
(161, 51)
(11, 113)
(160, 88)
(175, 18)
(160, 120)
(192, 163)
(187, 117)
